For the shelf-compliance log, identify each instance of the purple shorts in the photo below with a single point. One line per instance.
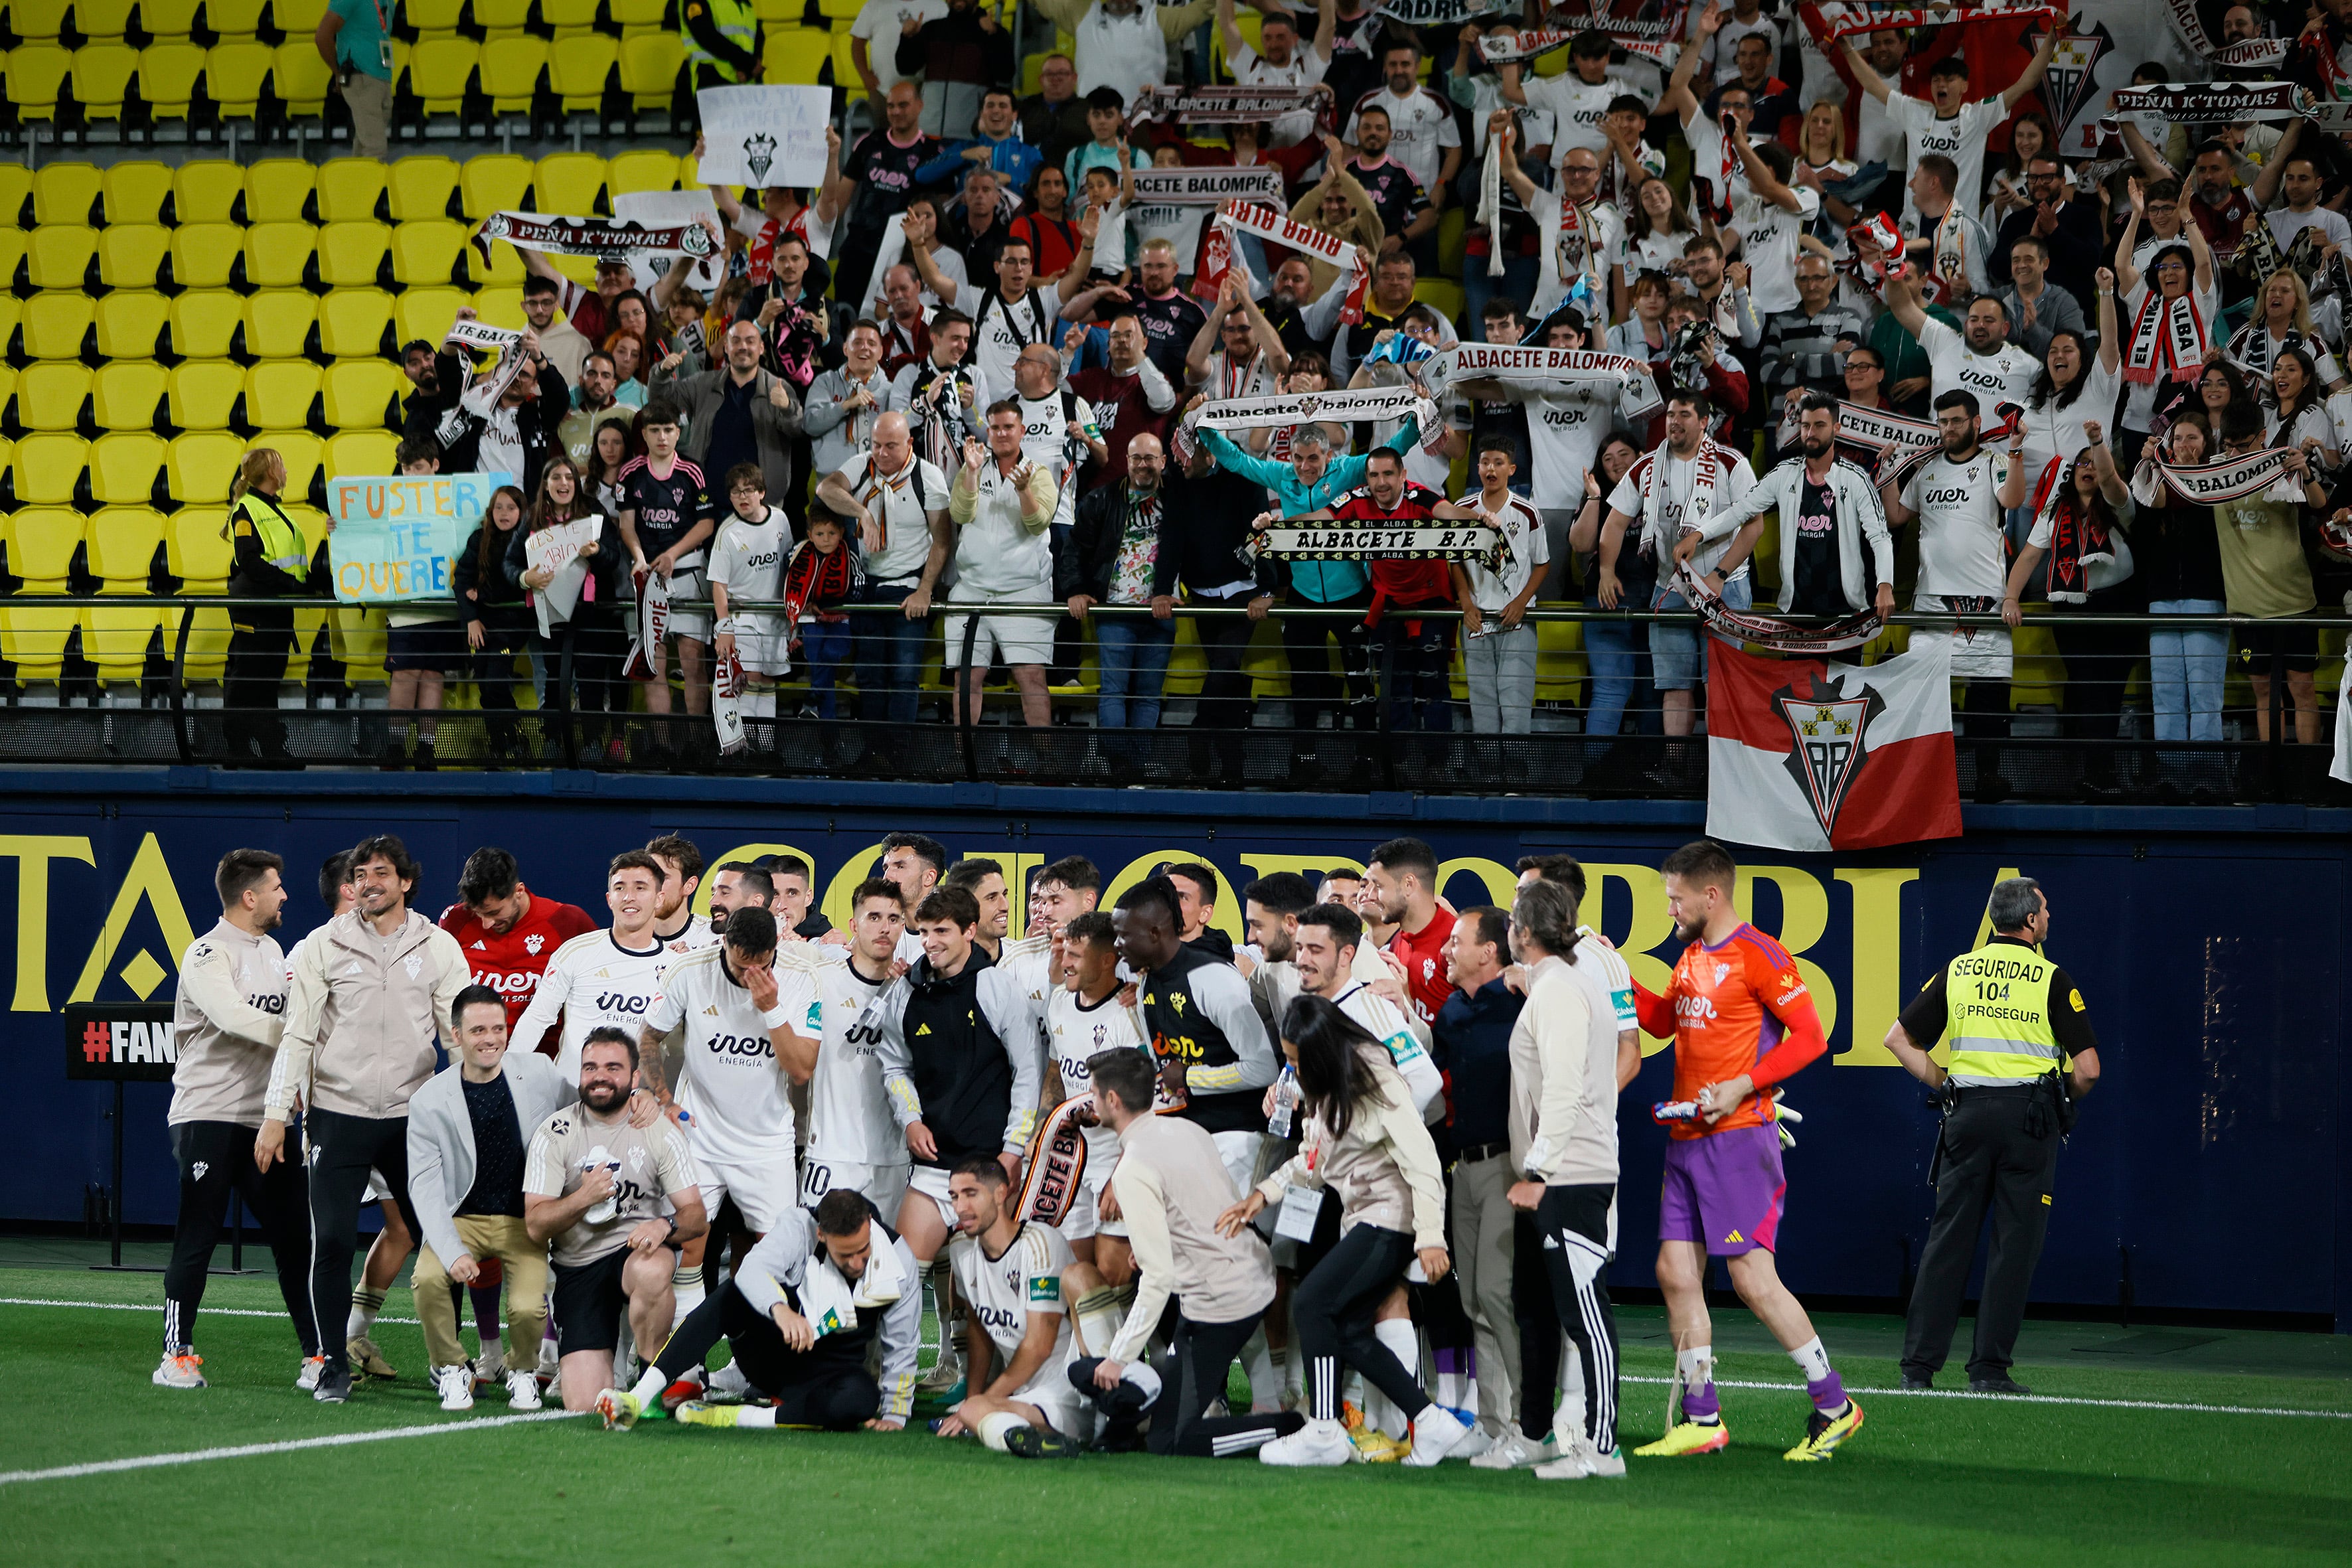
(1724, 1189)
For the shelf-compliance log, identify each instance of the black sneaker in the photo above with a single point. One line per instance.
(334, 1383)
(1913, 1384)
(1029, 1442)
(2002, 1384)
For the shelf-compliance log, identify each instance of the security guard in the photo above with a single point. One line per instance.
(272, 561)
(2022, 1053)
(722, 41)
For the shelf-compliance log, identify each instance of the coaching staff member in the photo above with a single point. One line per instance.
(2022, 1053)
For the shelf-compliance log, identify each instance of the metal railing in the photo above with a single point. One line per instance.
(1378, 737)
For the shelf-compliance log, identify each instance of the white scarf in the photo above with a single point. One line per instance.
(2168, 340)
(1490, 204)
(1706, 465)
(1952, 249)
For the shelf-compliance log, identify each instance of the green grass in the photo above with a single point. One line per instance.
(1928, 1481)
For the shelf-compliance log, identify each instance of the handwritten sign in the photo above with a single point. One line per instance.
(557, 550)
(397, 536)
(763, 135)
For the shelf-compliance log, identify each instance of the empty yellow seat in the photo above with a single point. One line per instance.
(236, 18)
(570, 184)
(794, 59)
(278, 394)
(131, 325)
(426, 313)
(352, 255)
(41, 545)
(578, 69)
(354, 323)
(300, 77)
(204, 655)
(61, 256)
(37, 78)
(237, 75)
(511, 70)
(434, 15)
(211, 190)
(15, 186)
(430, 251)
(421, 186)
(650, 64)
(130, 256)
(135, 190)
(562, 14)
(168, 74)
(276, 325)
(500, 304)
(194, 550)
(50, 394)
(203, 255)
(123, 467)
(278, 190)
(642, 169)
(101, 79)
(277, 255)
(168, 18)
(204, 394)
(441, 72)
(642, 13)
(123, 544)
(498, 17)
(199, 465)
(301, 450)
(69, 193)
(494, 181)
(364, 395)
(47, 468)
(57, 324)
(350, 190)
(117, 639)
(203, 322)
(298, 18)
(360, 453)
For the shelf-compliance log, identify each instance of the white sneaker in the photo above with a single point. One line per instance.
(491, 1366)
(551, 1360)
(522, 1390)
(1478, 1442)
(1512, 1451)
(455, 1384)
(180, 1371)
(729, 1379)
(1316, 1444)
(1574, 1464)
(1435, 1433)
(308, 1379)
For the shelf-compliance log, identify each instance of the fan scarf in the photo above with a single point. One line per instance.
(606, 239)
(1658, 40)
(1637, 389)
(2154, 110)
(2167, 340)
(1411, 537)
(728, 685)
(1207, 185)
(2250, 350)
(1713, 187)
(812, 577)
(1056, 1160)
(1269, 224)
(2078, 539)
(2209, 484)
(1905, 457)
(648, 625)
(1706, 467)
(2259, 52)
(1375, 402)
(1490, 215)
(1836, 19)
(1780, 636)
(1228, 105)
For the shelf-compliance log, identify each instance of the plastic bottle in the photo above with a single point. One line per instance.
(1285, 1097)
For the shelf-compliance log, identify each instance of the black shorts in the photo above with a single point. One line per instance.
(2297, 645)
(589, 1302)
(436, 647)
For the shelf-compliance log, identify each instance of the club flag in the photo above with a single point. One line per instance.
(1807, 754)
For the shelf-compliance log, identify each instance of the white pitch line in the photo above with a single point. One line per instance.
(247, 1450)
(2037, 1399)
(144, 1307)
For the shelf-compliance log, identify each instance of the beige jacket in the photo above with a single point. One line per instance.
(361, 1013)
(1563, 1110)
(1385, 1170)
(228, 1016)
(1171, 1187)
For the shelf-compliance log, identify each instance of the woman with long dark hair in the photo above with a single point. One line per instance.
(272, 561)
(580, 653)
(1363, 1139)
(498, 621)
(2297, 416)
(2075, 387)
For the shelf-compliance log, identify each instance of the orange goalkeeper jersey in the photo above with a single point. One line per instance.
(1732, 1003)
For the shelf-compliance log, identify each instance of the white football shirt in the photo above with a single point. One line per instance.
(849, 1116)
(1073, 1033)
(592, 983)
(731, 1083)
(1961, 551)
(2006, 375)
(1003, 1291)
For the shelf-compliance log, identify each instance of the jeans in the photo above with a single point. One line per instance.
(1133, 654)
(2185, 672)
(890, 656)
(824, 645)
(1617, 655)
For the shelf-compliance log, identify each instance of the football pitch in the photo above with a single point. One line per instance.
(2187, 1447)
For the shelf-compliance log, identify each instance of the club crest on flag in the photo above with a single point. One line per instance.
(1827, 728)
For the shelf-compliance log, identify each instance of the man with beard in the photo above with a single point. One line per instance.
(681, 867)
(1741, 1020)
(592, 403)
(740, 885)
(1236, 353)
(1271, 907)
(1299, 318)
(594, 1186)
(1829, 512)
(1129, 396)
(905, 321)
(1980, 361)
(508, 932)
(432, 393)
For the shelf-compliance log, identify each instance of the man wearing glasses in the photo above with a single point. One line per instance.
(2069, 228)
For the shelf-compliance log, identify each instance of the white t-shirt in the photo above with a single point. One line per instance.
(1421, 128)
(1733, 480)
(592, 983)
(1045, 436)
(1576, 108)
(731, 1083)
(1522, 529)
(1768, 243)
(1387, 1023)
(2003, 377)
(1003, 1291)
(1075, 1033)
(880, 22)
(894, 501)
(849, 1116)
(1961, 548)
(2140, 396)
(1306, 68)
(2286, 223)
(1003, 330)
(1723, 50)
(1961, 139)
(749, 558)
(1565, 429)
(2055, 432)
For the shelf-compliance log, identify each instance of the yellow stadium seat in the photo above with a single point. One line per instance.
(362, 452)
(237, 74)
(48, 469)
(845, 68)
(494, 181)
(632, 13)
(13, 245)
(795, 57)
(278, 324)
(278, 394)
(122, 541)
(67, 193)
(236, 18)
(562, 14)
(301, 450)
(205, 322)
(350, 190)
(168, 74)
(426, 313)
(169, 18)
(194, 550)
(117, 638)
(130, 256)
(41, 545)
(57, 324)
(364, 395)
(101, 79)
(428, 16)
(777, 14)
(511, 70)
(203, 255)
(130, 323)
(16, 186)
(355, 323)
(420, 186)
(499, 18)
(103, 18)
(643, 169)
(570, 184)
(298, 18)
(276, 190)
(578, 66)
(33, 638)
(277, 256)
(204, 394)
(505, 265)
(61, 256)
(37, 78)
(198, 466)
(207, 190)
(8, 398)
(500, 304)
(135, 190)
(441, 72)
(354, 255)
(358, 638)
(123, 467)
(299, 78)
(12, 314)
(843, 11)
(203, 656)
(650, 63)
(431, 251)
(50, 394)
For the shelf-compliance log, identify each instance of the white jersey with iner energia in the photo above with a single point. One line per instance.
(1003, 1291)
(1075, 1032)
(592, 983)
(731, 1084)
(849, 1116)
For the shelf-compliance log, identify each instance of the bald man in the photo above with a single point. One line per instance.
(1112, 557)
(898, 504)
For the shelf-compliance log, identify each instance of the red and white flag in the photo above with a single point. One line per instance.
(1806, 754)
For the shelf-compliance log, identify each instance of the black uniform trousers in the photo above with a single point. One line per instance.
(215, 1161)
(1991, 1160)
(1192, 1377)
(826, 1386)
(343, 1149)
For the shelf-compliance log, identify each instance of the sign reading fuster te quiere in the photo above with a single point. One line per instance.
(130, 1042)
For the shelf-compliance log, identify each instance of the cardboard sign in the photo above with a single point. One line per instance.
(763, 135)
(397, 536)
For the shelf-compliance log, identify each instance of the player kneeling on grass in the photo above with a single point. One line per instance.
(824, 1317)
(594, 1184)
(1010, 1271)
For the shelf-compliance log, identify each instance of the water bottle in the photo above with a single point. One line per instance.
(605, 1208)
(1285, 1096)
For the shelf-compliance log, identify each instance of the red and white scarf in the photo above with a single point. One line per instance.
(2078, 539)
(2167, 340)
(648, 627)
(1707, 465)
(1269, 224)
(1713, 187)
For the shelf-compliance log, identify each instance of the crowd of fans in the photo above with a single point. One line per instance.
(975, 352)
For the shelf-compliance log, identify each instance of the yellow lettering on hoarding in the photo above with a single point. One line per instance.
(1877, 972)
(33, 853)
(837, 907)
(1017, 866)
(1500, 880)
(150, 881)
(1228, 916)
(743, 854)
(1310, 867)
(1804, 917)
